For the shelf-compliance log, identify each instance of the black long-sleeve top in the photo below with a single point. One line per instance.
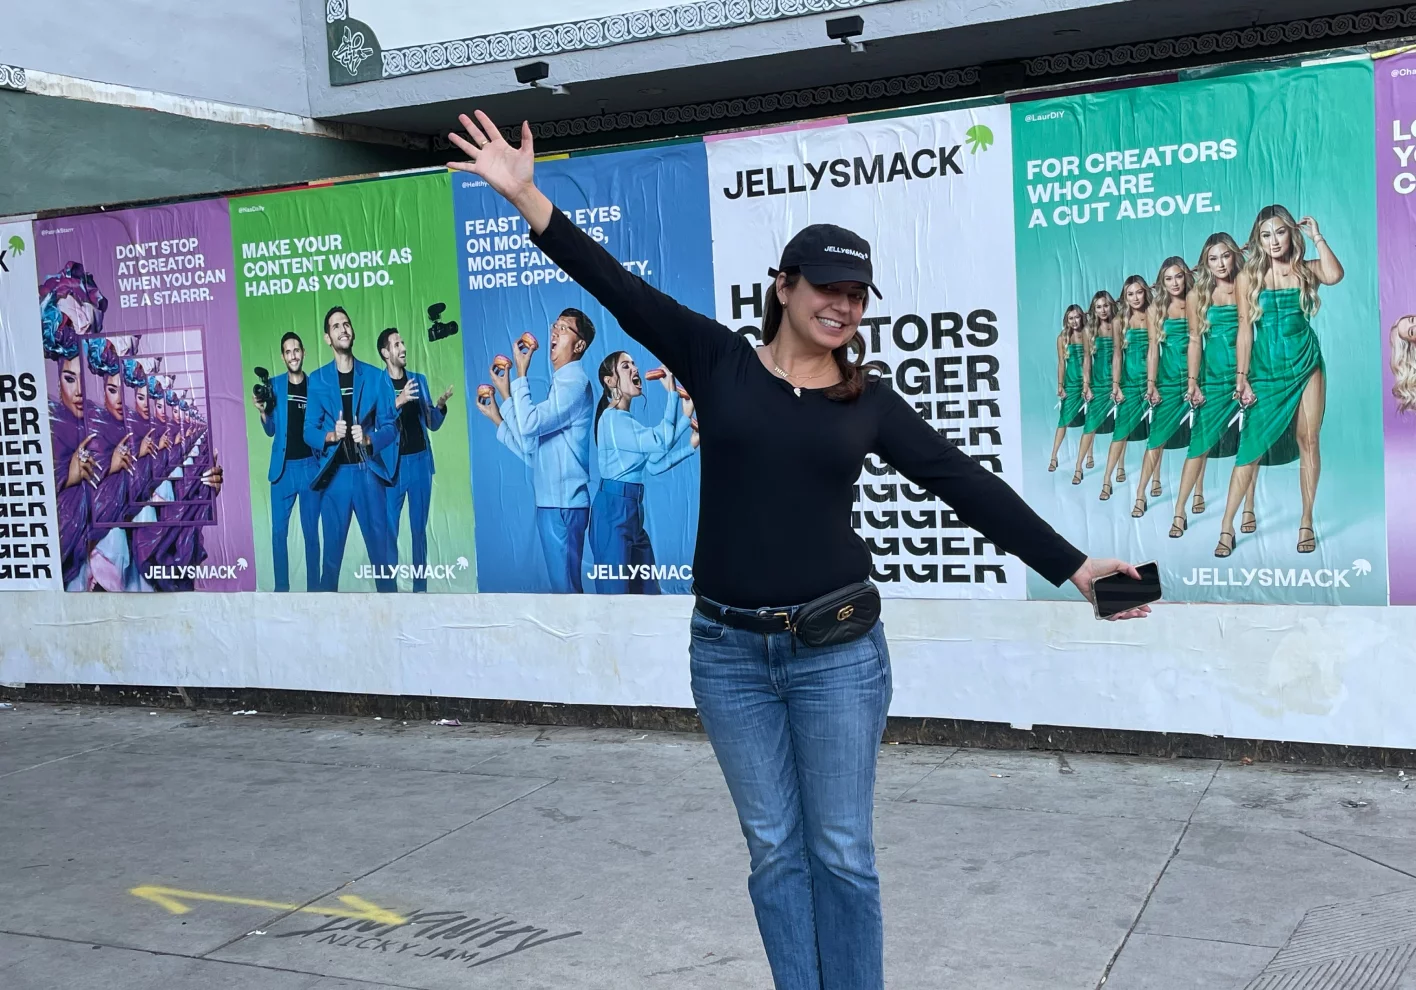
(774, 515)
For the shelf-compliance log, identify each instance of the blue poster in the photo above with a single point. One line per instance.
(584, 452)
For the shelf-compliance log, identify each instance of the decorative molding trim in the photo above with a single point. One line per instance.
(574, 36)
(1220, 42)
(1390, 22)
(13, 77)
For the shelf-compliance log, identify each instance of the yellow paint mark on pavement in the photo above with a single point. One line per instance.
(354, 907)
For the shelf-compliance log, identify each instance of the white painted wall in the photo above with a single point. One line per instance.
(250, 52)
(1329, 675)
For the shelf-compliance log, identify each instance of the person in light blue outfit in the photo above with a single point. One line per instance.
(554, 438)
(352, 426)
(293, 466)
(418, 413)
(629, 452)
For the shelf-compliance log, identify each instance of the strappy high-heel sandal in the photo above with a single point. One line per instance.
(1139, 509)
(1223, 549)
(1250, 524)
(1198, 505)
(1309, 545)
(1121, 475)
(1155, 488)
(1077, 478)
(1178, 531)
(1090, 463)
(1105, 491)
(1052, 465)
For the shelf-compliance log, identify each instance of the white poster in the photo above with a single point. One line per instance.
(933, 195)
(29, 525)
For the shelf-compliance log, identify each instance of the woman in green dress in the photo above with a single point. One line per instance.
(1073, 370)
(1128, 377)
(1213, 315)
(1165, 373)
(1100, 330)
(1279, 376)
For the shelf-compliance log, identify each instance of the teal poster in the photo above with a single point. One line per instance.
(1197, 303)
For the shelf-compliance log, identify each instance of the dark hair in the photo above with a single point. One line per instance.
(384, 334)
(852, 382)
(607, 368)
(332, 311)
(584, 327)
(291, 335)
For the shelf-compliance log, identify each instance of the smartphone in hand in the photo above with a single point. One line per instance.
(1119, 593)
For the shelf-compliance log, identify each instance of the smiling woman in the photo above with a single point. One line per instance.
(788, 660)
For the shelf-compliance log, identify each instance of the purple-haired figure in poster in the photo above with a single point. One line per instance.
(70, 304)
(109, 559)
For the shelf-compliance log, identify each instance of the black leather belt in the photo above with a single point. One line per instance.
(763, 620)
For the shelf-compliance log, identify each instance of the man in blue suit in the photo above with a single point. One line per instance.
(350, 424)
(293, 467)
(413, 477)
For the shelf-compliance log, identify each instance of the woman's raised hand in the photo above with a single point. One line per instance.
(506, 169)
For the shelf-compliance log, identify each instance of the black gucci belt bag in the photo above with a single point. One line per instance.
(838, 617)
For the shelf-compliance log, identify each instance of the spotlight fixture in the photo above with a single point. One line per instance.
(846, 29)
(532, 75)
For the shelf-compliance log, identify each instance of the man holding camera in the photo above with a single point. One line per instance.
(413, 475)
(350, 423)
(293, 465)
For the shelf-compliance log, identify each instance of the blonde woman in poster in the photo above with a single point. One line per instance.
(1073, 371)
(1168, 345)
(1403, 363)
(1101, 324)
(1128, 372)
(1279, 375)
(1213, 313)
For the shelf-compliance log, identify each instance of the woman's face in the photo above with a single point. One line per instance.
(160, 407)
(71, 386)
(1220, 262)
(1074, 320)
(1174, 281)
(827, 315)
(113, 396)
(1275, 238)
(1104, 310)
(626, 377)
(1406, 329)
(1135, 296)
(140, 402)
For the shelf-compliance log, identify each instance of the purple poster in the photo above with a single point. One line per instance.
(138, 316)
(1396, 224)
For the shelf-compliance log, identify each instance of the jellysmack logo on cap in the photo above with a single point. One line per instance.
(833, 249)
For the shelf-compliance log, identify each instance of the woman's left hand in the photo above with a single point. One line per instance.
(1093, 568)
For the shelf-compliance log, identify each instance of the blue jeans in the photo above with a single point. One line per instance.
(294, 483)
(562, 533)
(355, 491)
(618, 538)
(415, 482)
(797, 732)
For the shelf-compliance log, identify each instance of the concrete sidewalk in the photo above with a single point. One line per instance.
(307, 853)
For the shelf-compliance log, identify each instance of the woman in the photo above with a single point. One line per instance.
(629, 451)
(1279, 376)
(1073, 373)
(1403, 363)
(110, 559)
(1213, 317)
(1099, 333)
(796, 728)
(1128, 376)
(1165, 373)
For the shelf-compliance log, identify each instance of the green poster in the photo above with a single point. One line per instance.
(358, 429)
(1199, 356)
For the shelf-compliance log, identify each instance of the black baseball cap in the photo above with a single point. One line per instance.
(824, 253)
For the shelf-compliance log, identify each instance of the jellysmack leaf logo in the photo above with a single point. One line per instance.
(17, 245)
(1362, 566)
(242, 563)
(462, 564)
(979, 138)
